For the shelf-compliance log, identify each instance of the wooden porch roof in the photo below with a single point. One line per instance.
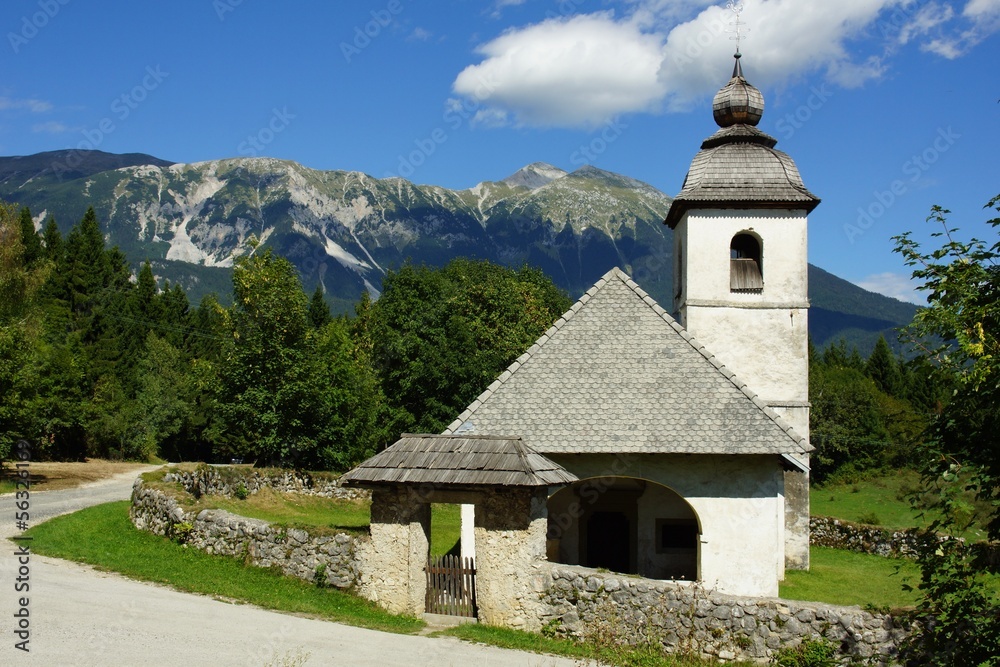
(458, 461)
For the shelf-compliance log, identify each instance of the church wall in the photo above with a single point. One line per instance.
(769, 353)
(763, 338)
(706, 235)
(738, 501)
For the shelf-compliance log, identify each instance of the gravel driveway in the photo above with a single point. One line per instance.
(80, 616)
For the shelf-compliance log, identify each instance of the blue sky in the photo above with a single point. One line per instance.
(887, 106)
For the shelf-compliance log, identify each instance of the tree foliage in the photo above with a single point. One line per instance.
(960, 617)
(439, 337)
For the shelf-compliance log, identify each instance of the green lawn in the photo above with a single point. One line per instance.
(881, 500)
(103, 536)
(293, 509)
(848, 578)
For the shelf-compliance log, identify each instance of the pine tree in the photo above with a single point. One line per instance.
(883, 368)
(319, 311)
(53, 241)
(30, 239)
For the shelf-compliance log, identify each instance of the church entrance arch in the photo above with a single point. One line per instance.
(626, 525)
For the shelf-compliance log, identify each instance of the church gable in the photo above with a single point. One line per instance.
(618, 374)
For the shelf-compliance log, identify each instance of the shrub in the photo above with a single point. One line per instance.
(810, 653)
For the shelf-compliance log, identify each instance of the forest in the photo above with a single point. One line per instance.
(96, 361)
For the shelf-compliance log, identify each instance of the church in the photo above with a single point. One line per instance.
(687, 430)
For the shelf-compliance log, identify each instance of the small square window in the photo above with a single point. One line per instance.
(676, 535)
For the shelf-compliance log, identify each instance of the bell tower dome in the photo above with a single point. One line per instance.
(740, 270)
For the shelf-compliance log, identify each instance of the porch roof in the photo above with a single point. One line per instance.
(458, 461)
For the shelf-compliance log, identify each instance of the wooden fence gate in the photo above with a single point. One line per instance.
(451, 586)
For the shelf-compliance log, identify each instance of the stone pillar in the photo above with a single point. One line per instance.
(392, 566)
(796, 520)
(510, 546)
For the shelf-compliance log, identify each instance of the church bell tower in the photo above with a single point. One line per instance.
(740, 272)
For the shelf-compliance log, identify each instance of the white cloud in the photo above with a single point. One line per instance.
(420, 35)
(927, 18)
(579, 71)
(982, 8)
(51, 127)
(895, 285)
(585, 69)
(954, 38)
(30, 104)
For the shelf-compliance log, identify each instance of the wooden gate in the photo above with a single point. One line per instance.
(451, 586)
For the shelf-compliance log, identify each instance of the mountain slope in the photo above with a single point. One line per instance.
(345, 229)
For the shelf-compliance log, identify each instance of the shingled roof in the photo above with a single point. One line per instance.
(458, 461)
(738, 166)
(617, 374)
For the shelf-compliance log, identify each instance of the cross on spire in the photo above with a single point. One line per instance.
(739, 27)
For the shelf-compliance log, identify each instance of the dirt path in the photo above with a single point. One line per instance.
(83, 617)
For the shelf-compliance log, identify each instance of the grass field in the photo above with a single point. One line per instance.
(882, 500)
(848, 578)
(317, 514)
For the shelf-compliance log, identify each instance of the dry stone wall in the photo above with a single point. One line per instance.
(839, 534)
(225, 481)
(294, 551)
(581, 602)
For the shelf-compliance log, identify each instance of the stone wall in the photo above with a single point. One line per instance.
(581, 602)
(839, 534)
(294, 551)
(224, 481)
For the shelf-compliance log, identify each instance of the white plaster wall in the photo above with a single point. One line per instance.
(705, 236)
(766, 348)
(468, 534)
(738, 500)
(763, 338)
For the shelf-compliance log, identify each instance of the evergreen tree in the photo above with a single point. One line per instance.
(883, 369)
(53, 241)
(30, 239)
(319, 311)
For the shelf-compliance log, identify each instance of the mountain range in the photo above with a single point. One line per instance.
(345, 229)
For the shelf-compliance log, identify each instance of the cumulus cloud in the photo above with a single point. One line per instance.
(895, 285)
(578, 71)
(585, 69)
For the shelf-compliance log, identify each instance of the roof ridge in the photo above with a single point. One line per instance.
(614, 272)
(620, 275)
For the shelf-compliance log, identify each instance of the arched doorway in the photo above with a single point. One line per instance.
(627, 525)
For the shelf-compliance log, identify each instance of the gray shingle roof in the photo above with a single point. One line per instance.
(458, 461)
(738, 166)
(617, 374)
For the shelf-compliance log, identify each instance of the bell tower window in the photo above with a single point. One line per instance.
(745, 268)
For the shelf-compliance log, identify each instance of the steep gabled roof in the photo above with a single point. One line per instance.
(458, 461)
(617, 374)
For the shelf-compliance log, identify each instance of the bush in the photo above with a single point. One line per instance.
(810, 653)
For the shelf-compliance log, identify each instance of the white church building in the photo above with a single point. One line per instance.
(688, 429)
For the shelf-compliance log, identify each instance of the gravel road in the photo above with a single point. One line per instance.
(80, 617)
